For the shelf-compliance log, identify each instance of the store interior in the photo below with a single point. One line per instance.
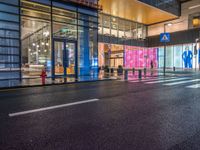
(36, 51)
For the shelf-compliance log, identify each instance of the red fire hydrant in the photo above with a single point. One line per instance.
(43, 76)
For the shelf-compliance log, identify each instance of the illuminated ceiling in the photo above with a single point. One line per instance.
(135, 10)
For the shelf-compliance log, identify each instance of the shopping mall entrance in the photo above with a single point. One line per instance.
(65, 63)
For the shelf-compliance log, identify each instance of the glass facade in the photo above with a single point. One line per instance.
(9, 39)
(111, 55)
(179, 56)
(61, 38)
(121, 28)
(172, 6)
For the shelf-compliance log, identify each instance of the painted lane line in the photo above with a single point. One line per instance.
(51, 107)
(151, 79)
(162, 81)
(181, 82)
(195, 86)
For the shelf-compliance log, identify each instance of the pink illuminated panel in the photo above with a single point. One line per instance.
(137, 57)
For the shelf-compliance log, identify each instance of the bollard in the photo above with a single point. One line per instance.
(133, 71)
(43, 76)
(174, 68)
(126, 75)
(145, 71)
(140, 74)
(111, 70)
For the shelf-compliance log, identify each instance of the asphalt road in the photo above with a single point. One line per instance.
(106, 115)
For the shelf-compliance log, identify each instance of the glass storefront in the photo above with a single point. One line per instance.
(35, 39)
(111, 55)
(140, 57)
(180, 56)
(61, 39)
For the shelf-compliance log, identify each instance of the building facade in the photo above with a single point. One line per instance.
(60, 36)
(75, 37)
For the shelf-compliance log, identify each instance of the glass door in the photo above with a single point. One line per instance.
(64, 58)
(70, 61)
(58, 58)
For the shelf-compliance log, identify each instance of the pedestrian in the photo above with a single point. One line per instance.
(151, 64)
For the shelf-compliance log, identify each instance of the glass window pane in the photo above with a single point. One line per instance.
(128, 33)
(169, 56)
(9, 50)
(7, 58)
(9, 34)
(14, 2)
(9, 17)
(160, 57)
(64, 30)
(106, 25)
(178, 51)
(8, 8)
(9, 42)
(114, 27)
(9, 25)
(36, 46)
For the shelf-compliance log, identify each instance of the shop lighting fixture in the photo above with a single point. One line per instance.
(47, 44)
(193, 7)
(45, 50)
(46, 33)
(33, 44)
(39, 51)
(169, 24)
(29, 49)
(42, 43)
(38, 46)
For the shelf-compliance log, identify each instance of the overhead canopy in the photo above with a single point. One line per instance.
(135, 10)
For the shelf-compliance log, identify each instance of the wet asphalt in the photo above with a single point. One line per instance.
(127, 116)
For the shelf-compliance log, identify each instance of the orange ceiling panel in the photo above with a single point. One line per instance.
(135, 10)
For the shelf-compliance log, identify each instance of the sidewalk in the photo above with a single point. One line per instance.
(26, 82)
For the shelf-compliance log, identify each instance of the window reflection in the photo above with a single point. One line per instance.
(121, 28)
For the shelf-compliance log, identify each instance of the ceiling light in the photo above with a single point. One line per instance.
(33, 44)
(169, 24)
(38, 46)
(42, 43)
(195, 6)
(46, 33)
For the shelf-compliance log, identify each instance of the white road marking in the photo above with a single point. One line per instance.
(151, 79)
(181, 82)
(162, 81)
(195, 86)
(51, 107)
